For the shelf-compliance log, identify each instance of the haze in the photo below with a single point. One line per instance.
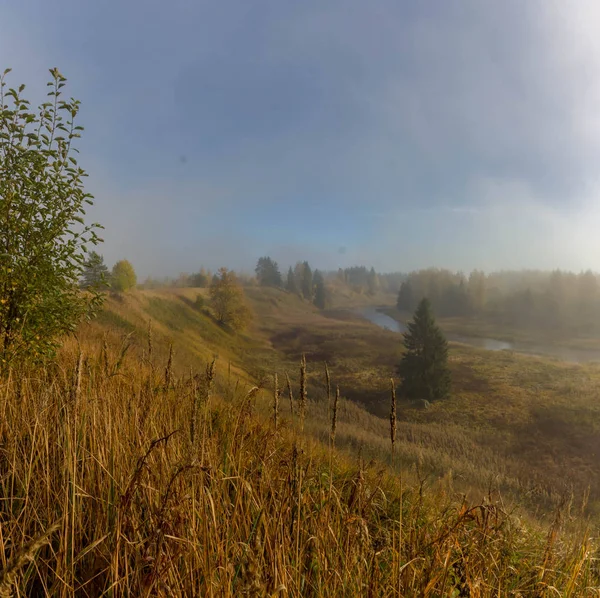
(464, 134)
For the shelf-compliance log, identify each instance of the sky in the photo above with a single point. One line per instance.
(458, 133)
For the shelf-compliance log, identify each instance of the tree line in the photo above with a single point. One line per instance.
(96, 275)
(562, 301)
(301, 280)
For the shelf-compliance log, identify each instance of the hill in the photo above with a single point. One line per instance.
(527, 425)
(129, 468)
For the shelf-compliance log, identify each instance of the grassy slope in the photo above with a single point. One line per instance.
(230, 507)
(525, 425)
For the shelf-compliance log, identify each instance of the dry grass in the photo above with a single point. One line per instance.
(130, 468)
(528, 426)
(148, 506)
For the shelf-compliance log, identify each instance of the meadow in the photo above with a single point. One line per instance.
(148, 461)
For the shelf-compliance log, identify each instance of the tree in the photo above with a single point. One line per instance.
(227, 300)
(123, 276)
(406, 299)
(424, 366)
(372, 281)
(95, 272)
(320, 299)
(43, 237)
(454, 300)
(200, 279)
(476, 289)
(267, 273)
(306, 282)
(291, 285)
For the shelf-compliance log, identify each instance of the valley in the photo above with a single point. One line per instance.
(528, 426)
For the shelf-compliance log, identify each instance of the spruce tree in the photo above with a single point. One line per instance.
(307, 282)
(424, 366)
(95, 273)
(320, 298)
(291, 285)
(405, 301)
(267, 272)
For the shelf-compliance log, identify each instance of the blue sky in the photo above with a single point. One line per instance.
(461, 134)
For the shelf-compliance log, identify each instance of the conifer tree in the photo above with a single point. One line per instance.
(307, 282)
(320, 299)
(405, 301)
(372, 281)
(291, 285)
(95, 272)
(267, 272)
(424, 365)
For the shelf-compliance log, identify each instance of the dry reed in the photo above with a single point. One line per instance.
(290, 394)
(275, 402)
(303, 392)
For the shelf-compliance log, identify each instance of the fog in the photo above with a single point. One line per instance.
(462, 134)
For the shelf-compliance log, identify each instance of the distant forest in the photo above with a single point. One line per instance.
(358, 278)
(565, 302)
(560, 301)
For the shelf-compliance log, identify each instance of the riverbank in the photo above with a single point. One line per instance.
(483, 335)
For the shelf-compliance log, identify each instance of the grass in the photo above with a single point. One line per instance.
(528, 424)
(122, 475)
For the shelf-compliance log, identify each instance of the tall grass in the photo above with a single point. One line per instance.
(119, 481)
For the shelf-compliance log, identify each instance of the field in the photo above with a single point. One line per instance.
(131, 469)
(477, 326)
(527, 426)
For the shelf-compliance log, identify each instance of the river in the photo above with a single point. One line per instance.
(491, 344)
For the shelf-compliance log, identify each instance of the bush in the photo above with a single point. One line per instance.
(200, 303)
(43, 235)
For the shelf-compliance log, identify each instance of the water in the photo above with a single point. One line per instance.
(491, 344)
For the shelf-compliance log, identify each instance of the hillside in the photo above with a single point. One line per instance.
(137, 471)
(528, 426)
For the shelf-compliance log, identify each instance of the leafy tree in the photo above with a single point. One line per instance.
(320, 299)
(123, 276)
(424, 366)
(227, 300)
(95, 272)
(291, 285)
(306, 282)
(406, 298)
(267, 273)
(43, 236)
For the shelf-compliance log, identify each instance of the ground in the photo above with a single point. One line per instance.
(527, 426)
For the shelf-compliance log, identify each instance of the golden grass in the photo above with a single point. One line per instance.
(148, 506)
(139, 464)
